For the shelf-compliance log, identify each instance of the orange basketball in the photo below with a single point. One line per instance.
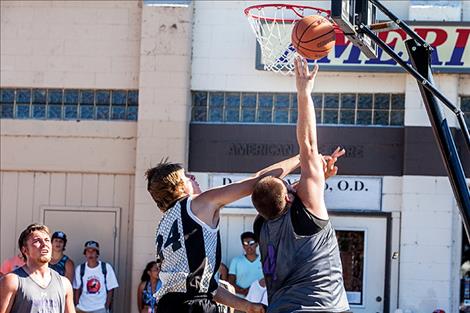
(313, 37)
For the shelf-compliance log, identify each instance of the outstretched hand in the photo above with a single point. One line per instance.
(329, 168)
(304, 79)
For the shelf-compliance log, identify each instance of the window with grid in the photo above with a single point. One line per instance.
(465, 108)
(68, 104)
(281, 108)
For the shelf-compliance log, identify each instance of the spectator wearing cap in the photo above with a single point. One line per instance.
(60, 262)
(245, 269)
(94, 282)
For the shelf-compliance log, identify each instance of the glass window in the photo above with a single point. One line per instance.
(71, 112)
(216, 99)
(7, 110)
(71, 97)
(199, 114)
(293, 115)
(102, 112)
(330, 117)
(265, 100)
(264, 115)
(103, 97)
(39, 96)
(331, 101)
(54, 112)
(347, 117)
(87, 98)
(232, 115)
(132, 113)
(200, 98)
(351, 247)
(8, 95)
(348, 101)
(397, 118)
(281, 116)
(317, 101)
(381, 117)
(54, 96)
(133, 98)
(232, 107)
(364, 101)
(248, 100)
(215, 114)
(87, 112)
(119, 97)
(39, 111)
(364, 117)
(318, 115)
(23, 96)
(330, 108)
(382, 101)
(248, 115)
(398, 102)
(22, 111)
(118, 113)
(281, 100)
(465, 104)
(232, 100)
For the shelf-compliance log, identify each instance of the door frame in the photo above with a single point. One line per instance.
(117, 221)
(388, 245)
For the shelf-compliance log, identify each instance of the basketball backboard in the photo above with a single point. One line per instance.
(350, 15)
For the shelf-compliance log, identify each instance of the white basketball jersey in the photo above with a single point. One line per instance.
(189, 250)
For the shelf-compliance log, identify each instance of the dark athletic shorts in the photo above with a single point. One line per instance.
(179, 302)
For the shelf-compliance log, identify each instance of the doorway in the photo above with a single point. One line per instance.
(98, 224)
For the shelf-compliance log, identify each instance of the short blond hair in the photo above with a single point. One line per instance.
(268, 197)
(165, 184)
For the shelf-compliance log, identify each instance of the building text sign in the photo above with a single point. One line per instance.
(341, 192)
(451, 43)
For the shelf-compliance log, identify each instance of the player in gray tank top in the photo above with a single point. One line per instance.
(33, 298)
(35, 288)
(301, 265)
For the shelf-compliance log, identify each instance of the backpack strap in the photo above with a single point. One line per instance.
(82, 273)
(104, 270)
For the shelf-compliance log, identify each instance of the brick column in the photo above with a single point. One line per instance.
(164, 114)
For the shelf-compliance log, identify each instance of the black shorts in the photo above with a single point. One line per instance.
(179, 302)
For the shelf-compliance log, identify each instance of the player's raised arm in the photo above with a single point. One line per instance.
(312, 180)
(207, 204)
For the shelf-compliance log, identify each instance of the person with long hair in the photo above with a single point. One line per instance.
(149, 285)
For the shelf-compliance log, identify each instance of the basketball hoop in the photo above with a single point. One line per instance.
(272, 25)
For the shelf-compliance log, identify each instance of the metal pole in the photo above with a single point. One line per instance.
(420, 58)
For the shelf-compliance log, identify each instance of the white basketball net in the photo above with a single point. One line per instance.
(272, 25)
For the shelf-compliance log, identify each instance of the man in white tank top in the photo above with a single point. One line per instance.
(35, 288)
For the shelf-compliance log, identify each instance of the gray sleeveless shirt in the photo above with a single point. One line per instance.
(303, 273)
(32, 298)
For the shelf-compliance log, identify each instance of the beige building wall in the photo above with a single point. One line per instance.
(72, 165)
(164, 114)
(74, 44)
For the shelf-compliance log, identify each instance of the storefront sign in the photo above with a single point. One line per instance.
(341, 192)
(451, 43)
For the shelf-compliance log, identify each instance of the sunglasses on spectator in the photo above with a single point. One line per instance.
(249, 243)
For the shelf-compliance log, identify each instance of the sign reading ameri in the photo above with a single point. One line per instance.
(451, 43)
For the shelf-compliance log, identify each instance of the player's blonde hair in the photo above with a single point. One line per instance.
(165, 184)
(268, 197)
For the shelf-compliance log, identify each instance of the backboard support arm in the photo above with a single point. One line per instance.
(419, 52)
